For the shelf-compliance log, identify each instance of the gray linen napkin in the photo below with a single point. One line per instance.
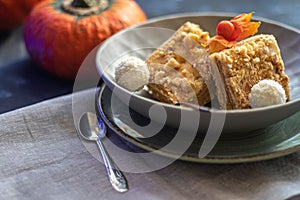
(42, 157)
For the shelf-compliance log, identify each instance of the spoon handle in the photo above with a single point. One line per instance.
(116, 177)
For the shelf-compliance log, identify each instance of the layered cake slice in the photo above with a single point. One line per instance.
(173, 78)
(190, 66)
(237, 69)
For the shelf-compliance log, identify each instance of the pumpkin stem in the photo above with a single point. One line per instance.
(79, 3)
(84, 3)
(84, 7)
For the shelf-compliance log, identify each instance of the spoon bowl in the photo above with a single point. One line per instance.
(92, 128)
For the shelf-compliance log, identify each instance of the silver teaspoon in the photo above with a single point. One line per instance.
(90, 128)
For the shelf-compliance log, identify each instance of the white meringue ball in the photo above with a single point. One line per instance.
(132, 73)
(266, 93)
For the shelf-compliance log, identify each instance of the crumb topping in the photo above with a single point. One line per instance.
(252, 60)
(171, 67)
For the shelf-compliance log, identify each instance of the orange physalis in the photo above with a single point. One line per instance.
(229, 32)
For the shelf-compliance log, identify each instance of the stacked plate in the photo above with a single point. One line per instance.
(206, 134)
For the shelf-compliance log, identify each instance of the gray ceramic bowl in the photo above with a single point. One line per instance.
(141, 40)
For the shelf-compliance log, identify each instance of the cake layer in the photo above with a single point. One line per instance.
(240, 67)
(173, 77)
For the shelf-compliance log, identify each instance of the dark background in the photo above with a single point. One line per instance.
(22, 83)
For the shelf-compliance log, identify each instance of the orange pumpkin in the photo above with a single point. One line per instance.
(14, 12)
(59, 34)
